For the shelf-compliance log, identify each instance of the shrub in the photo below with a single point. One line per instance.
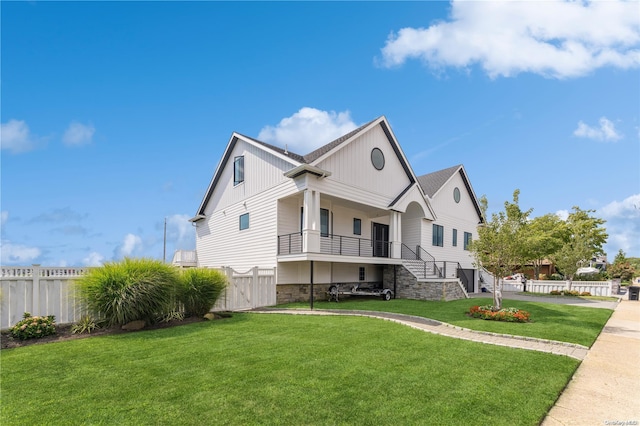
(130, 290)
(199, 289)
(570, 293)
(585, 293)
(504, 314)
(34, 327)
(555, 292)
(87, 324)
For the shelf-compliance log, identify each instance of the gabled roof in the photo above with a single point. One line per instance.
(313, 157)
(432, 183)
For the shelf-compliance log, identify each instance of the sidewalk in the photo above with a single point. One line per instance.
(606, 386)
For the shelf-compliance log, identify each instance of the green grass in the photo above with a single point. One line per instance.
(279, 369)
(572, 324)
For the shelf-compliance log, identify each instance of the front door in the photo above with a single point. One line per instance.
(380, 233)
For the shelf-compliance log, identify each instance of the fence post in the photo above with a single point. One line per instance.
(35, 297)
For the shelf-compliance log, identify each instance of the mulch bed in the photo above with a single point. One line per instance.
(63, 333)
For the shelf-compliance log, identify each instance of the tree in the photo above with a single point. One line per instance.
(498, 248)
(583, 237)
(621, 268)
(542, 237)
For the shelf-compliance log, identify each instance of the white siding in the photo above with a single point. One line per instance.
(220, 242)
(262, 171)
(351, 166)
(451, 215)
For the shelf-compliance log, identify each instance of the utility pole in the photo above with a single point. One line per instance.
(164, 244)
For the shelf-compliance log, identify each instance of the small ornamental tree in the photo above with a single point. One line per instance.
(582, 238)
(498, 247)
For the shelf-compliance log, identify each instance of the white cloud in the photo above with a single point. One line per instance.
(17, 254)
(180, 232)
(4, 217)
(16, 137)
(131, 245)
(555, 38)
(78, 134)
(308, 129)
(623, 225)
(93, 259)
(606, 131)
(563, 214)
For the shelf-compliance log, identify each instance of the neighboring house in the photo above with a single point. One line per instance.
(350, 212)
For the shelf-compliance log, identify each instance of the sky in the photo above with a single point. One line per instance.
(115, 114)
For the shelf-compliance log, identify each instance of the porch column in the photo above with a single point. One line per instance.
(311, 222)
(395, 234)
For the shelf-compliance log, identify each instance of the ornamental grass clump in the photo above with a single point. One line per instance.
(130, 290)
(504, 314)
(34, 327)
(199, 289)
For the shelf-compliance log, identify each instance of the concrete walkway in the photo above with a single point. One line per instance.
(444, 329)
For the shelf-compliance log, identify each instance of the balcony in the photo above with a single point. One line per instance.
(339, 245)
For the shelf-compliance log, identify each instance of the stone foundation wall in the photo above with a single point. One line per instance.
(408, 286)
(288, 293)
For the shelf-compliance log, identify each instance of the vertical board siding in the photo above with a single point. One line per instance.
(351, 165)
(262, 170)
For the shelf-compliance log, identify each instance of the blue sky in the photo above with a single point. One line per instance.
(115, 115)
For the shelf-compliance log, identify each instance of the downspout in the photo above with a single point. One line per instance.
(311, 296)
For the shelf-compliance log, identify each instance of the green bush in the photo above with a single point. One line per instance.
(130, 290)
(199, 289)
(33, 327)
(570, 293)
(87, 324)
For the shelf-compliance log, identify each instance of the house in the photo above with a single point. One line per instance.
(351, 212)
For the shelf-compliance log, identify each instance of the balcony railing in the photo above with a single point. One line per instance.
(340, 245)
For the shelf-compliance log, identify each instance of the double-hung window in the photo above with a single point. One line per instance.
(238, 170)
(438, 235)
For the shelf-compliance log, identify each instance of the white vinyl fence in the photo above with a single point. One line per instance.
(50, 291)
(596, 288)
(247, 290)
(39, 291)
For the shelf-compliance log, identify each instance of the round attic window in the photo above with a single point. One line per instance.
(377, 158)
(456, 194)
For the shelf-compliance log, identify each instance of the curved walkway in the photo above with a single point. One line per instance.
(436, 327)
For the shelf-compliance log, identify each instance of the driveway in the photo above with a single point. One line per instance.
(562, 300)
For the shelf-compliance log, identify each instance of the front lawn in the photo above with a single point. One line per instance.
(279, 369)
(573, 324)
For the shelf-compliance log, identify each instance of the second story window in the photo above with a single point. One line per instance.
(238, 170)
(438, 235)
(454, 238)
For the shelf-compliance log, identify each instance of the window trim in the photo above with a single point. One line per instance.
(238, 170)
(240, 221)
